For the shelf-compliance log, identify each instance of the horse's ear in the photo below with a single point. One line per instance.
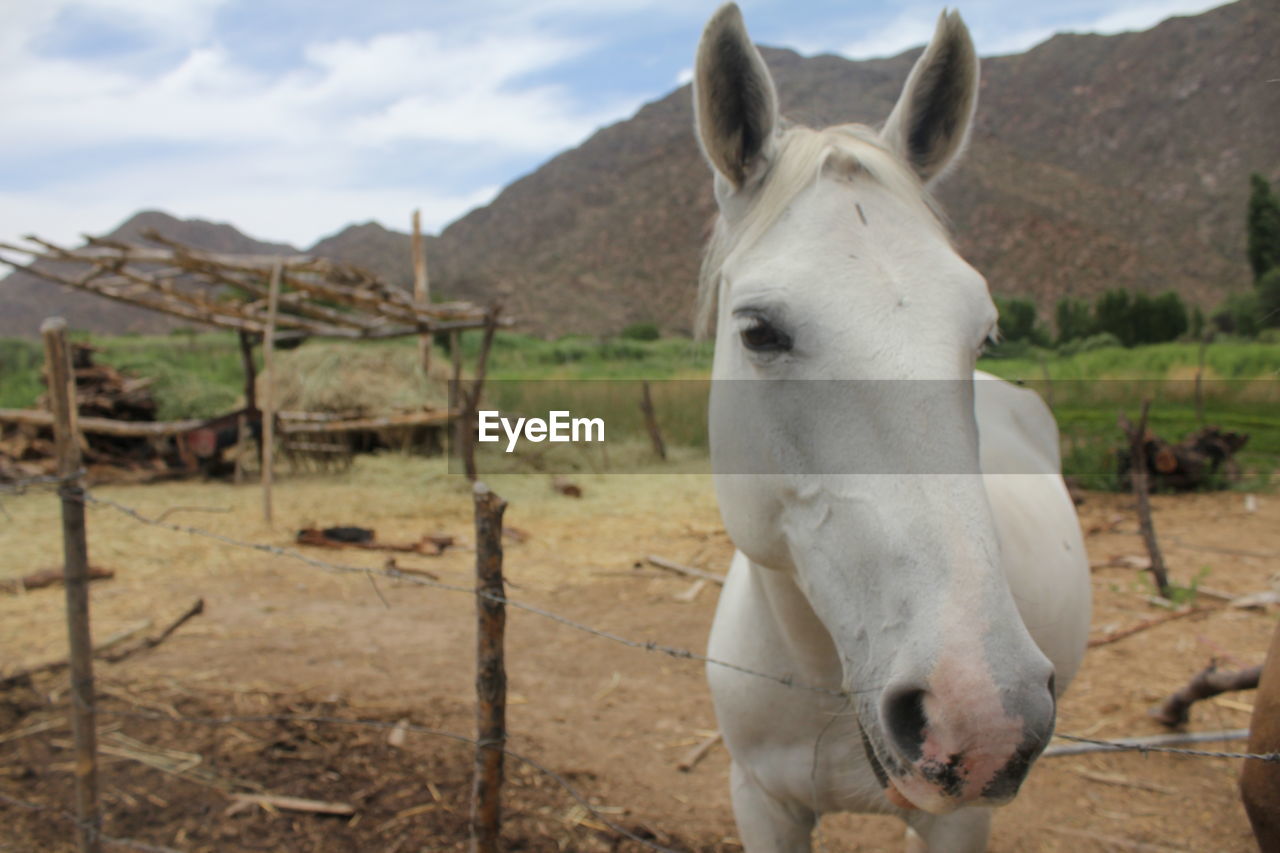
(930, 124)
(734, 100)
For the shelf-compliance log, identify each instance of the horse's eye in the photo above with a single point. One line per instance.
(761, 336)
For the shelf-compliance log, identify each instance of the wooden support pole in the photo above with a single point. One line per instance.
(242, 438)
(491, 674)
(1138, 473)
(250, 371)
(1204, 347)
(76, 576)
(421, 290)
(651, 423)
(269, 397)
(466, 423)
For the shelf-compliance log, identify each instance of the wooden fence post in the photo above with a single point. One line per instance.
(1138, 474)
(466, 417)
(421, 290)
(651, 422)
(269, 398)
(62, 401)
(491, 674)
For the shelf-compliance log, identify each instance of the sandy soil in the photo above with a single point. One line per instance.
(278, 636)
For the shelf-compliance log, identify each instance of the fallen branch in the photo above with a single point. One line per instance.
(60, 664)
(699, 752)
(196, 608)
(1210, 681)
(103, 650)
(1143, 626)
(392, 566)
(1114, 840)
(293, 804)
(49, 577)
(671, 566)
(1121, 781)
(431, 545)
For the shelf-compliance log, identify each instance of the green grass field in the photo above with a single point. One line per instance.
(200, 375)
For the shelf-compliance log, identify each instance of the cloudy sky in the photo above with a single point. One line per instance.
(294, 118)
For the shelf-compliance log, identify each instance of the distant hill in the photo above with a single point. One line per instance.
(1096, 162)
(28, 300)
(379, 250)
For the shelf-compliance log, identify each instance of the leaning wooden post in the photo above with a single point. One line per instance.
(1138, 474)
(75, 551)
(269, 392)
(466, 432)
(421, 290)
(250, 371)
(1204, 346)
(491, 673)
(651, 422)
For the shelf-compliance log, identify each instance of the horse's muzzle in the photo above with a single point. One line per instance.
(950, 747)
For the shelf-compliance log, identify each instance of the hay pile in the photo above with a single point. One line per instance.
(357, 380)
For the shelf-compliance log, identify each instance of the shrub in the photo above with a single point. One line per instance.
(1102, 340)
(1073, 319)
(1239, 315)
(646, 331)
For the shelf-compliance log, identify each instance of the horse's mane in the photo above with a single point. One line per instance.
(798, 160)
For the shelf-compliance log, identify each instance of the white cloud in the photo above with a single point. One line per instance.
(1140, 16)
(997, 31)
(908, 29)
(279, 154)
(279, 208)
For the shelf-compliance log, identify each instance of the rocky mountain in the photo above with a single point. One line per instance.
(1096, 162)
(379, 250)
(28, 300)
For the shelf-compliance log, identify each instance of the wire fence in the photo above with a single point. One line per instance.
(392, 573)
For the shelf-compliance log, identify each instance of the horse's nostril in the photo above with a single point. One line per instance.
(1053, 687)
(905, 721)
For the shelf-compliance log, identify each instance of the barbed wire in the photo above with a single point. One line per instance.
(1135, 745)
(22, 486)
(109, 840)
(396, 574)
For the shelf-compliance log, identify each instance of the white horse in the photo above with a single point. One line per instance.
(908, 558)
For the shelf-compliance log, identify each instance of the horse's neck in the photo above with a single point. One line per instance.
(800, 634)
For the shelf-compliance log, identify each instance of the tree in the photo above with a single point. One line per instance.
(1018, 321)
(1239, 315)
(1168, 318)
(1113, 313)
(1269, 299)
(1197, 323)
(1263, 227)
(1073, 319)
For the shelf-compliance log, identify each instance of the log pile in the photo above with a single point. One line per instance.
(1200, 460)
(102, 391)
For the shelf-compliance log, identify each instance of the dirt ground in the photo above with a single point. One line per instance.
(279, 637)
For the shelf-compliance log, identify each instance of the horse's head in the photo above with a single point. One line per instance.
(830, 263)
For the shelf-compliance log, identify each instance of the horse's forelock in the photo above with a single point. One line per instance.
(800, 157)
